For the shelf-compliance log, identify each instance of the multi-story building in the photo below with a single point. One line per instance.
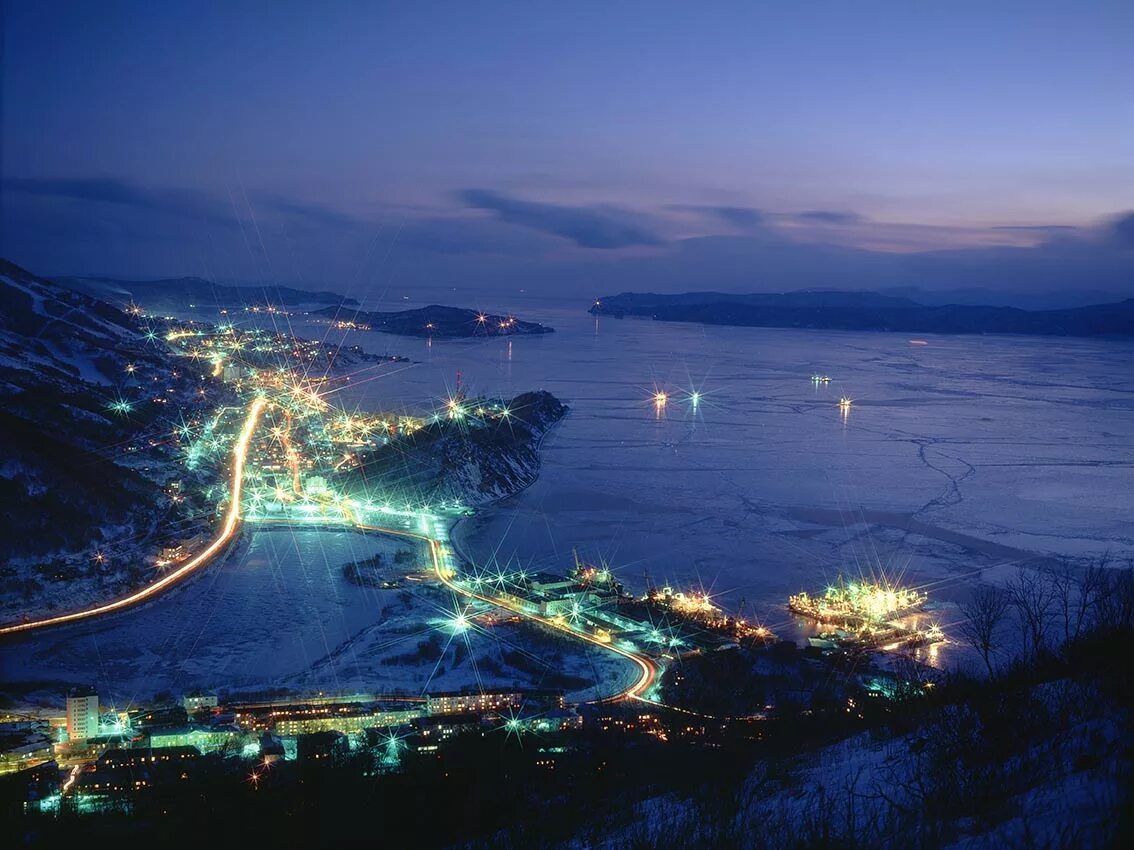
(314, 720)
(82, 714)
(324, 716)
(321, 746)
(206, 740)
(192, 703)
(460, 703)
(431, 732)
(21, 752)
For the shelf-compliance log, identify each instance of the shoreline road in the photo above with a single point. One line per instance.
(201, 559)
(647, 666)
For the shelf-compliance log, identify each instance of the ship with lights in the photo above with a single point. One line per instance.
(858, 602)
(867, 614)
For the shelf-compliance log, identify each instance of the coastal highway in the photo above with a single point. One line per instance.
(647, 667)
(224, 536)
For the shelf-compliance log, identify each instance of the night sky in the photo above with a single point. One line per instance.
(574, 146)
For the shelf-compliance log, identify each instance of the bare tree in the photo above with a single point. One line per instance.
(1114, 605)
(984, 611)
(1077, 594)
(1033, 597)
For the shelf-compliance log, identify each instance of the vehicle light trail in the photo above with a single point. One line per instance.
(227, 530)
(70, 779)
(647, 666)
(292, 455)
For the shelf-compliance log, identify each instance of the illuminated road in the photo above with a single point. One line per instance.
(646, 665)
(201, 559)
(232, 520)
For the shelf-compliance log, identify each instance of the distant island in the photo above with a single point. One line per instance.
(867, 311)
(197, 291)
(433, 321)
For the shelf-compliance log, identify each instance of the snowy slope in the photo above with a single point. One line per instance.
(50, 329)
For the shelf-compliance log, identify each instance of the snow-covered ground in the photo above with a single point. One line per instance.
(278, 614)
(934, 787)
(955, 457)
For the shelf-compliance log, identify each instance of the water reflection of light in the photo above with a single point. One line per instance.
(844, 408)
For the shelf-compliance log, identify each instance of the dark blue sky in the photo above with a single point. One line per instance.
(735, 145)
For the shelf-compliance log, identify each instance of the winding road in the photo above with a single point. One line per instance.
(647, 666)
(201, 559)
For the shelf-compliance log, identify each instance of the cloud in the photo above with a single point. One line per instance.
(305, 211)
(830, 217)
(1121, 229)
(473, 236)
(98, 225)
(738, 216)
(590, 227)
(1039, 228)
(187, 203)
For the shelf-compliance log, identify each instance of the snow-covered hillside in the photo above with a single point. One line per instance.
(55, 331)
(86, 402)
(474, 465)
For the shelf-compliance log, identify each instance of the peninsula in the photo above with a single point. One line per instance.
(867, 311)
(432, 321)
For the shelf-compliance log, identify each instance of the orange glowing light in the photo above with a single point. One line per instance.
(228, 529)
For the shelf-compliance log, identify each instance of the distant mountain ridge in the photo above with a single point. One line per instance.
(196, 290)
(867, 311)
(436, 321)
